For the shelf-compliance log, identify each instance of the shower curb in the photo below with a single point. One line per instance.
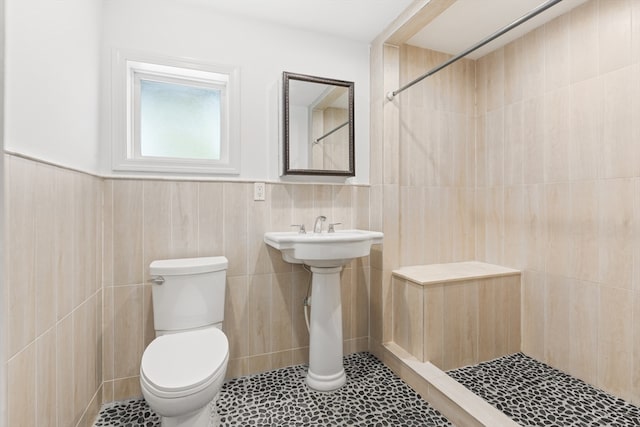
(461, 406)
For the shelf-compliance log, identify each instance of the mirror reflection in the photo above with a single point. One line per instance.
(318, 126)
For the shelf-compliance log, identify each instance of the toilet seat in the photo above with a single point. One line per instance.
(184, 363)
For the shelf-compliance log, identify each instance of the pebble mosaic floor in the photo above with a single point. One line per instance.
(535, 394)
(127, 413)
(373, 396)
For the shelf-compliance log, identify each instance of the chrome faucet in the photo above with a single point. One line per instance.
(317, 226)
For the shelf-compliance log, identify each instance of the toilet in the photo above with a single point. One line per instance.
(183, 368)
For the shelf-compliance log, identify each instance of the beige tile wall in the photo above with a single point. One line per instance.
(554, 187)
(54, 291)
(79, 303)
(437, 160)
(264, 321)
(569, 218)
(425, 152)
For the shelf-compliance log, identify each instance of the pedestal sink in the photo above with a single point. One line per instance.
(326, 254)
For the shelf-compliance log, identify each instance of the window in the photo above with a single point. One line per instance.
(174, 116)
(178, 120)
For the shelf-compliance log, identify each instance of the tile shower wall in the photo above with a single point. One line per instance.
(558, 187)
(54, 294)
(423, 169)
(437, 158)
(556, 176)
(264, 320)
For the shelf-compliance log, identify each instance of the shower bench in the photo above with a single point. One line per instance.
(456, 314)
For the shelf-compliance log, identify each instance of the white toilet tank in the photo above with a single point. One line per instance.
(188, 293)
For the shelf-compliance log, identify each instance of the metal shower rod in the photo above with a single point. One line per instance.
(538, 10)
(331, 132)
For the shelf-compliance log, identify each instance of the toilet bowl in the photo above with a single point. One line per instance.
(182, 373)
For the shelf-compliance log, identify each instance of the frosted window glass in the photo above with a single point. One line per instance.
(179, 121)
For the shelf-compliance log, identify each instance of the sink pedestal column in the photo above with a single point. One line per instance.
(326, 371)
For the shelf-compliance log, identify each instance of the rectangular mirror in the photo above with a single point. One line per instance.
(318, 126)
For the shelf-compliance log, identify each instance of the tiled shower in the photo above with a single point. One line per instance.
(542, 176)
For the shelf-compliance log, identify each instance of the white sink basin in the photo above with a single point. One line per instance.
(323, 249)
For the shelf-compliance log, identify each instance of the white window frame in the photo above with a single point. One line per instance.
(127, 69)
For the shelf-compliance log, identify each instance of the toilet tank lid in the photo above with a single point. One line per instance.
(175, 267)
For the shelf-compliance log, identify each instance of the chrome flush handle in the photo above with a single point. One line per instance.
(157, 280)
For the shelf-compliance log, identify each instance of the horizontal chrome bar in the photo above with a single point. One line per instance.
(538, 10)
(330, 132)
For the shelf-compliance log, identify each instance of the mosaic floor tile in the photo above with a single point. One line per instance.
(535, 394)
(128, 413)
(373, 396)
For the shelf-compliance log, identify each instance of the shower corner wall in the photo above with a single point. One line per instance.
(551, 186)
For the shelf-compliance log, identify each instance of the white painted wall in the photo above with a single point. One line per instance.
(58, 56)
(52, 80)
(3, 285)
(261, 50)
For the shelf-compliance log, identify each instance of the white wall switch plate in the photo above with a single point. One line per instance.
(258, 191)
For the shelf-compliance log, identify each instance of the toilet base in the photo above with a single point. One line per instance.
(205, 417)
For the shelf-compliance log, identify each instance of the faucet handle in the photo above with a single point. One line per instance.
(301, 230)
(331, 229)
